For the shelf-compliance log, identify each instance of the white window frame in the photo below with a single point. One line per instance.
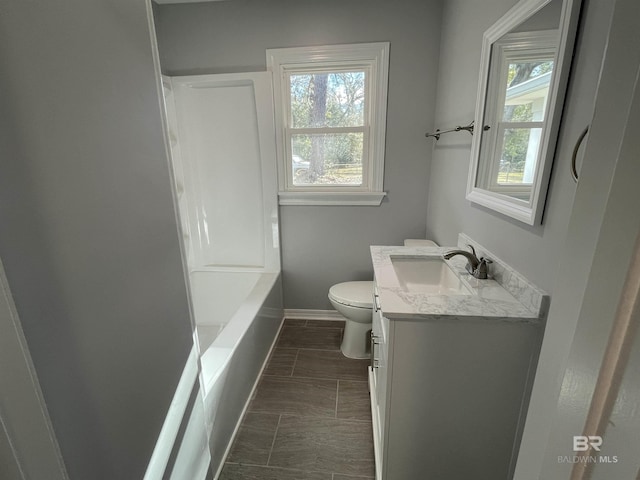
(373, 58)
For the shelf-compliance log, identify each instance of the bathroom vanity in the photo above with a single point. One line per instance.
(453, 360)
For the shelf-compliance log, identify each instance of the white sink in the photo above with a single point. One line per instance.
(427, 275)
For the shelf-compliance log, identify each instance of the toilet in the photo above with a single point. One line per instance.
(354, 300)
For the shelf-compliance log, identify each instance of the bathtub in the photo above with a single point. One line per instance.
(237, 315)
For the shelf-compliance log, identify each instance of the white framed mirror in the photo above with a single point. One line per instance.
(524, 69)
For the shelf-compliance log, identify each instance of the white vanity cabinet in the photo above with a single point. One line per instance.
(448, 394)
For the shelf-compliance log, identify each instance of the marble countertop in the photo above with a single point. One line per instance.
(488, 298)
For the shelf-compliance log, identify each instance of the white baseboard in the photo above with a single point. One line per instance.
(309, 314)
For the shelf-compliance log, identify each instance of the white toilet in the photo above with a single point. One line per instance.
(354, 300)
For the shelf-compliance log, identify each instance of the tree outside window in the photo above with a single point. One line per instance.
(325, 106)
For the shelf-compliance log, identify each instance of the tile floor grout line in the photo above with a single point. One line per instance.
(295, 361)
(344, 379)
(273, 442)
(337, 393)
(335, 350)
(319, 350)
(319, 417)
(301, 377)
(289, 469)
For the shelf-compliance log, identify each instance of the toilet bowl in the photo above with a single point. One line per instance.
(354, 300)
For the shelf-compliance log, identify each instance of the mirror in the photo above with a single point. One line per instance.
(524, 69)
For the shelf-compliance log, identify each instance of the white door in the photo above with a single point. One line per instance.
(28, 446)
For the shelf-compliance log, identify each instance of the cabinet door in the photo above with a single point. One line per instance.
(381, 379)
(378, 383)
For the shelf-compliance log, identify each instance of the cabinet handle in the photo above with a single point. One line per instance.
(574, 171)
(372, 349)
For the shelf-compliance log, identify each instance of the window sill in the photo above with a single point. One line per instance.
(331, 198)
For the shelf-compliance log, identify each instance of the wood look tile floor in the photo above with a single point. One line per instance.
(310, 417)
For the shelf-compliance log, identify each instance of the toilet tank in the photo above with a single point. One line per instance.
(419, 242)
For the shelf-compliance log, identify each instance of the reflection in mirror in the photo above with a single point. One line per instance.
(519, 102)
(517, 96)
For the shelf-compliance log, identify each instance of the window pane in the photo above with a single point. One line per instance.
(327, 99)
(519, 156)
(527, 90)
(327, 159)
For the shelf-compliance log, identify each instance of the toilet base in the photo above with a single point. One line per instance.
(355, 341)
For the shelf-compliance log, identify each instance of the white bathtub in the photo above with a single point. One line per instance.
(238, 315)
(217, 297)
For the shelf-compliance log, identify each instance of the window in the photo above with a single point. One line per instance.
(330, 106)
(519, 90)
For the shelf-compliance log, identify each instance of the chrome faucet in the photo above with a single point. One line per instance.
(477, 267)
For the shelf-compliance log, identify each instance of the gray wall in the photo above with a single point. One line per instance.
(88, 233)
(326, 245)
(9, 467)
(534, 251)
(547, 18)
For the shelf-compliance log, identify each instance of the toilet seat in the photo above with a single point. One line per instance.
(353, 294)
